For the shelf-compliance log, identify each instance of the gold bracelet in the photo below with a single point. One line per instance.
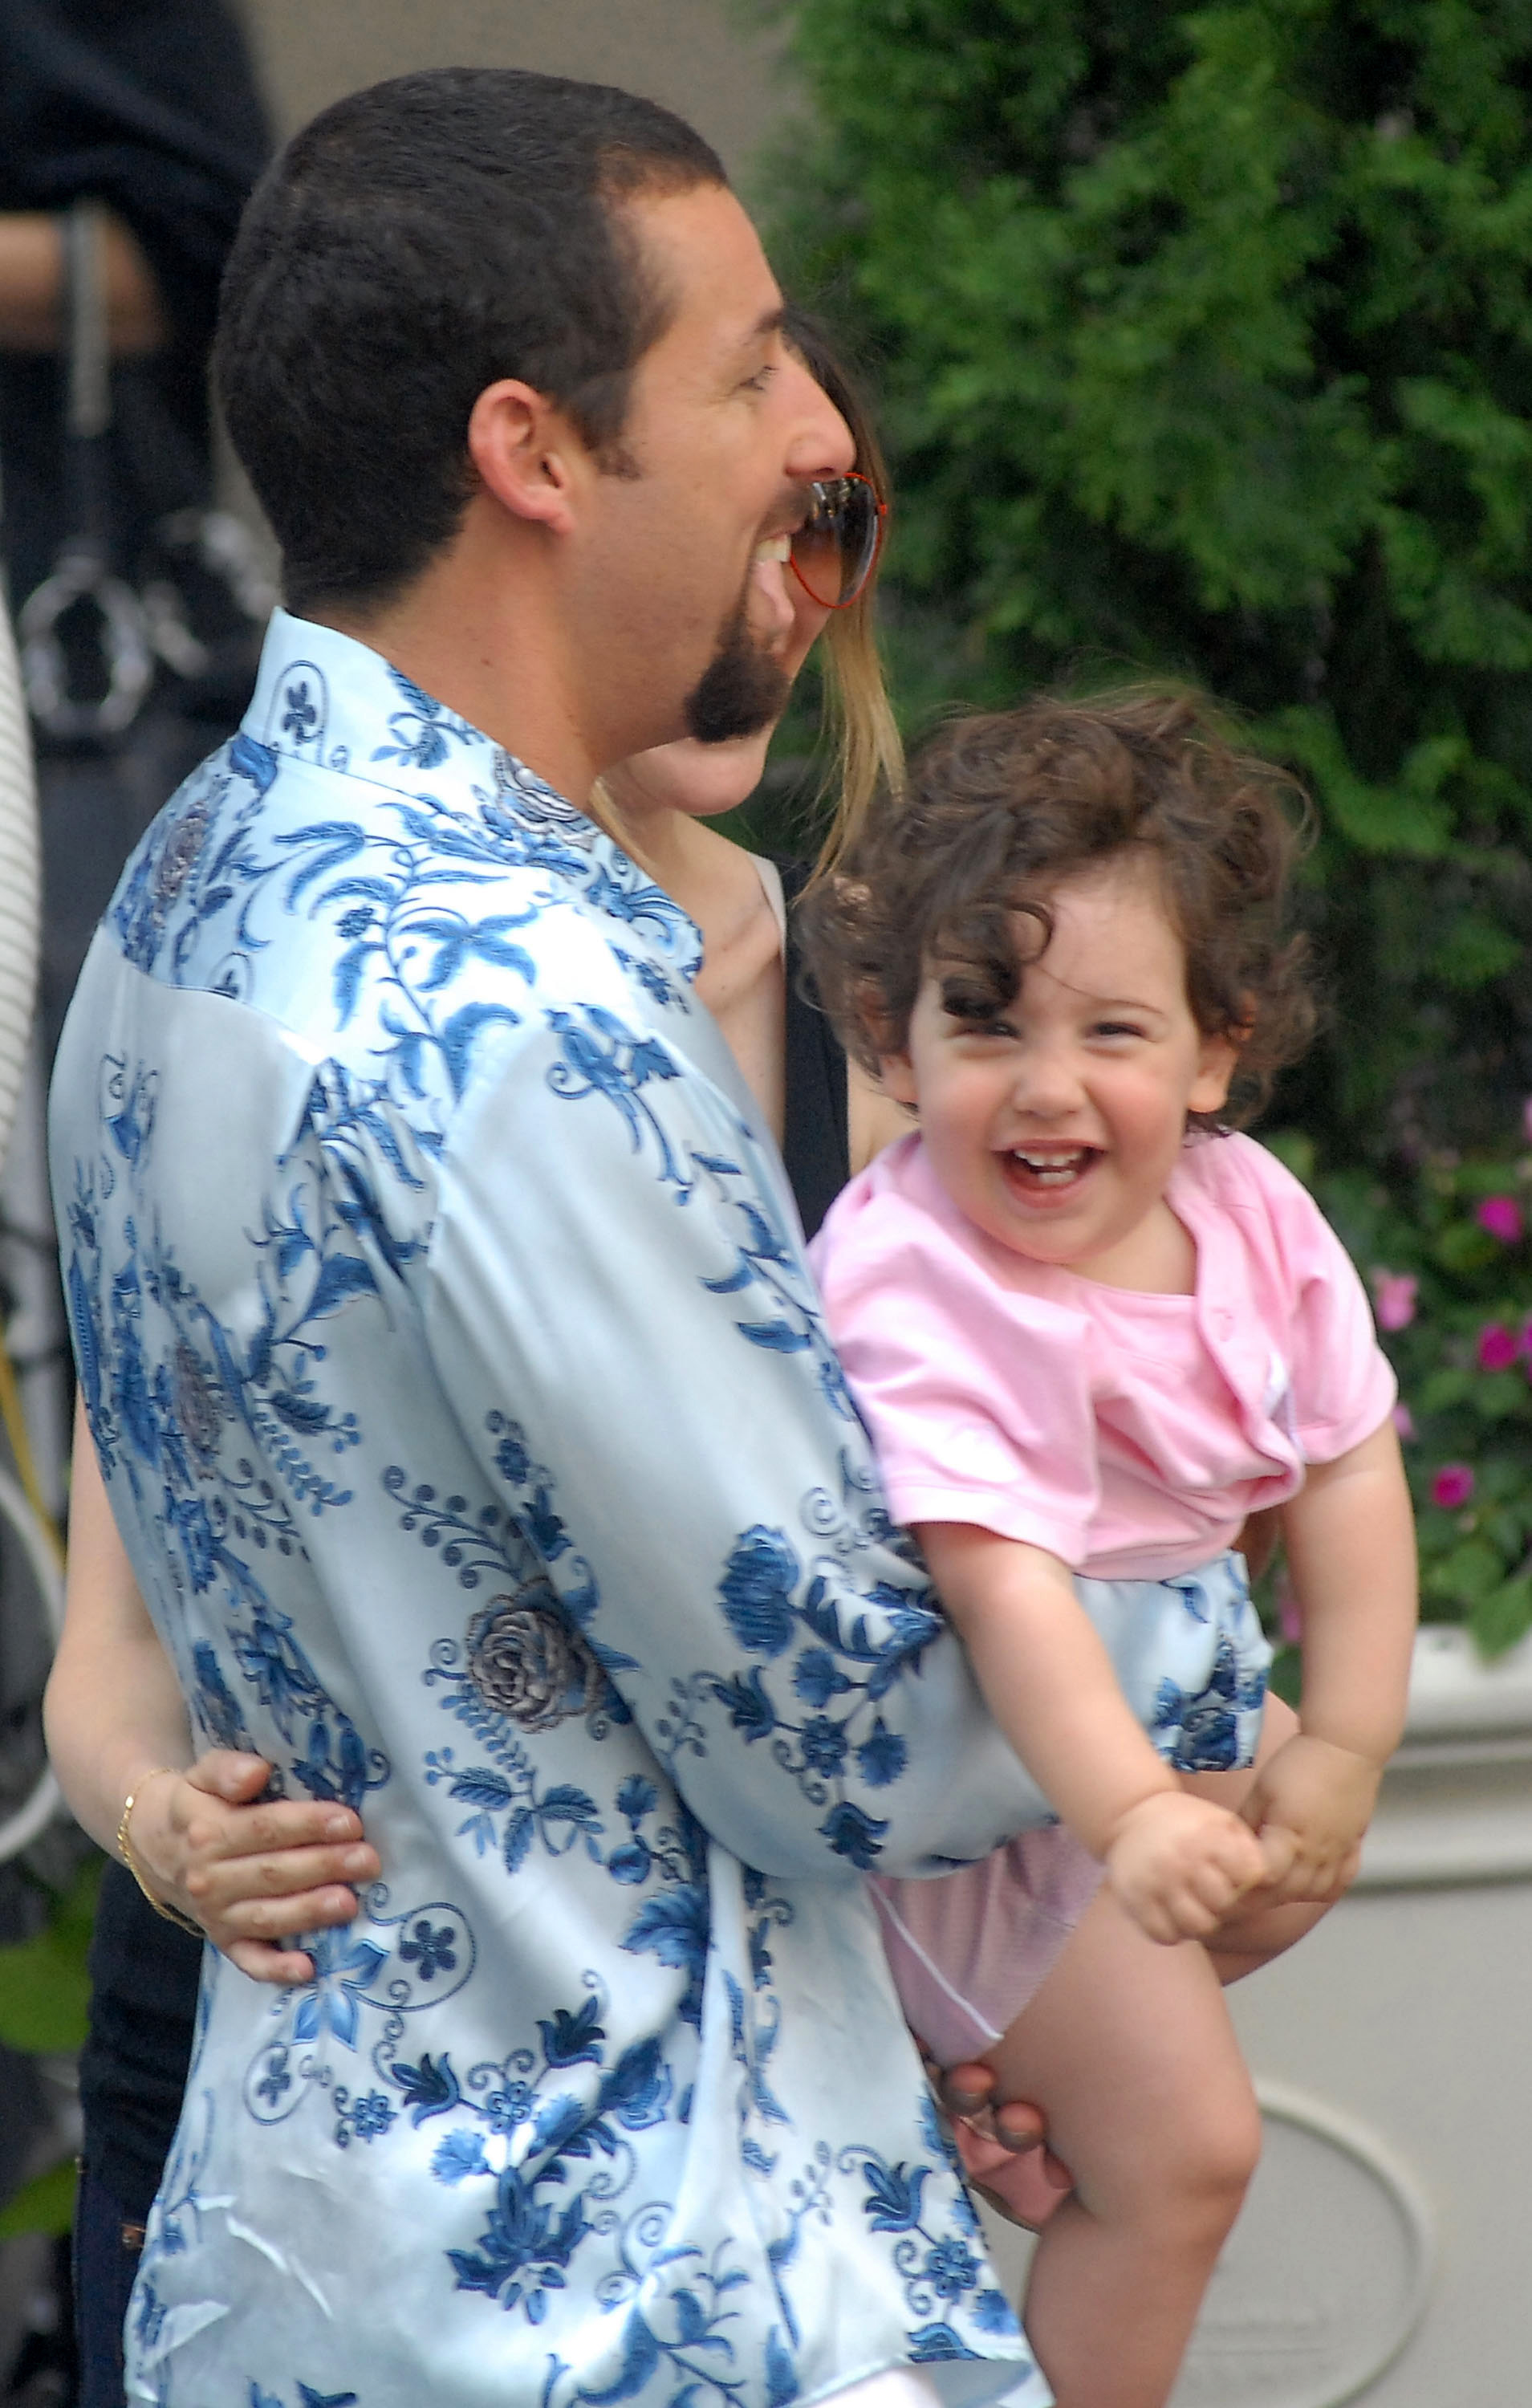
(124, 1849)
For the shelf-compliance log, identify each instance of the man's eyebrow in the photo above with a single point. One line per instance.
(769, 322)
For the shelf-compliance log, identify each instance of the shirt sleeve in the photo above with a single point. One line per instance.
(978, 1399)
(1343, 1384)
(620, 1312)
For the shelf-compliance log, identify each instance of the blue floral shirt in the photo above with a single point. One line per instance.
(463, 1394)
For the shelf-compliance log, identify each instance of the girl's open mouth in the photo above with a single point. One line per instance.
(1042, 1169)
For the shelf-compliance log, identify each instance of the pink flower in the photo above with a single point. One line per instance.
(1453, 1486)
(1501, 1215)
(1404, 1422)
(1395, 1292)
(1498, 1347)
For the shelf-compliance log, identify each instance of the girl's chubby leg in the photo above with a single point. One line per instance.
(1128, 2051)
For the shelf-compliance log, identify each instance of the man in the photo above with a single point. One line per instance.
(453, 1366)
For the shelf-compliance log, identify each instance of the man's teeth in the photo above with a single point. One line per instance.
(775, 547)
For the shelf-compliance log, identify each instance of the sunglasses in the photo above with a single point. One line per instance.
(836, 550)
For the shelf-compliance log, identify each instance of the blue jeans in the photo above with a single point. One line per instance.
(107, 2247)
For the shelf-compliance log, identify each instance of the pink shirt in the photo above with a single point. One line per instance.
(1127, 1434)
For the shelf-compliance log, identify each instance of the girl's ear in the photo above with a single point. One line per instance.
(1217, 1063)
(897, 1073)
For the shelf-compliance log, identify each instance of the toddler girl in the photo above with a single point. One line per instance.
(1091, 1332)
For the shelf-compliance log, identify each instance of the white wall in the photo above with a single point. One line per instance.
(697, 56)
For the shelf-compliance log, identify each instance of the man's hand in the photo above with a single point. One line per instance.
(1178, 1864)
(1003, 2144)
(1311, 1805)
(249, 1874)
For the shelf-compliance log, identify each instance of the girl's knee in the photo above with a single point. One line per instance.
(1221, 2147)
(1180, 2172)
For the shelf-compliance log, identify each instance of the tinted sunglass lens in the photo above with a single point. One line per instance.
(834, 549)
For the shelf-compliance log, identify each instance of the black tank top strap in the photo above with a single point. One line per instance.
(815, 1149)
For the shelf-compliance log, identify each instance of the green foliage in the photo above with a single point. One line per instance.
(1455, 1296)
(1204, 337)
(43, 1986)
(46, 2204)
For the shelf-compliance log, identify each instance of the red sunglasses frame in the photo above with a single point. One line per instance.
(853, 476)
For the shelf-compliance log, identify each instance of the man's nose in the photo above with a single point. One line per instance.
(820, 443)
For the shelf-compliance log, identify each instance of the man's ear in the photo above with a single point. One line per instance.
(526, 452)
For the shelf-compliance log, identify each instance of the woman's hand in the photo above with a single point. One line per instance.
(249, 1874)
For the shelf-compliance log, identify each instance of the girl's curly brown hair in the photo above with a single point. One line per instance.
(1002, 807)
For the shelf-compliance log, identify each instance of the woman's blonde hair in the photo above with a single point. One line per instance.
(867, 754)
(866, 751)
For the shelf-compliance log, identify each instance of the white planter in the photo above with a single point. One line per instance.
(1385, 2252)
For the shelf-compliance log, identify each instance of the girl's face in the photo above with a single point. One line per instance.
(1055, 1128)
(702, 780)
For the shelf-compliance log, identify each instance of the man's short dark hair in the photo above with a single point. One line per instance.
(413, 244)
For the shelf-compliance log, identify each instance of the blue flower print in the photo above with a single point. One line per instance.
(756, 1590)
(823, 1744)
(362, 2120)
(853, 1834)
(993, 2313)
(429, 1946)
(817, 1678)
(882, 1757)
(952, 2269)
(458, 2155)
(307, 2397)
(301, 717)
(276, 2081)
(344, 1970)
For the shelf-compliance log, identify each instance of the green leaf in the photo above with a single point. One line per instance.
(1468, 1574)
(46, 2204)
(1464, 1246)
(1502, 1616)
(43, 1986)
(1445, 1388)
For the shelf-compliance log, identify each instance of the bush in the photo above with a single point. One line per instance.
(1449, 1259)
(1205, 343)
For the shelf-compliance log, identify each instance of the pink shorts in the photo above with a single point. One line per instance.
(970, 1948)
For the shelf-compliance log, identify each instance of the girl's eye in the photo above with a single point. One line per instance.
(1117, 1028)
(759, 382)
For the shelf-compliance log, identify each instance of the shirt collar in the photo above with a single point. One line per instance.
(326, 699)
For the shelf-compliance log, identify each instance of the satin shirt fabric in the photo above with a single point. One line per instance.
(465, 1406)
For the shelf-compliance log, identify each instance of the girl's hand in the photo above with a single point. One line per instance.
(1178, 1864)
(1311, 1804)
(249, 1874)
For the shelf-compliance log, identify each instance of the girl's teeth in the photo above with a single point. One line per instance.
(1054, 1169)
(775, 547)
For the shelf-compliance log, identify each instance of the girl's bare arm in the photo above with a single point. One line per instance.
(1176, 1862)
(1350, 1555)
